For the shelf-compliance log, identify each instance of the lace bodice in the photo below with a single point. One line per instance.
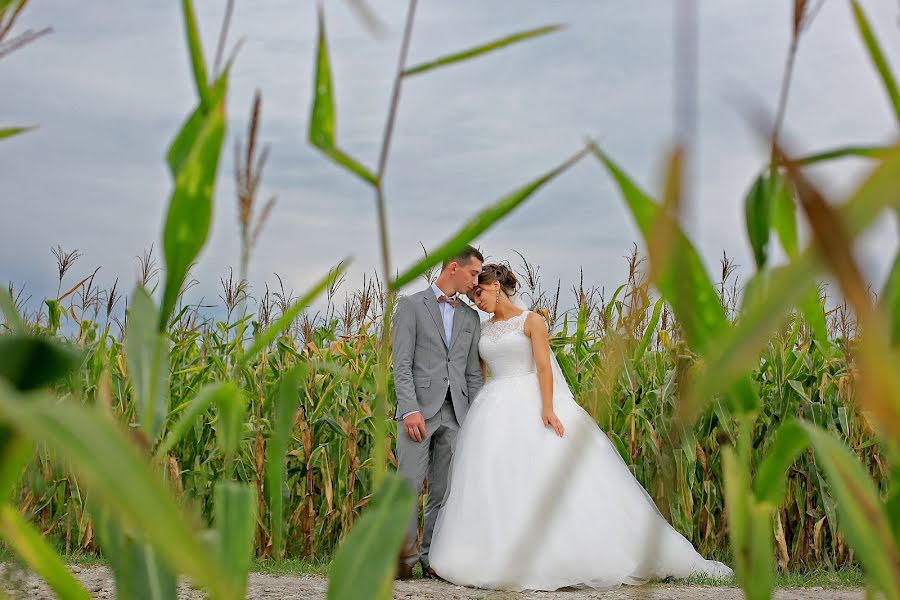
(505, 348)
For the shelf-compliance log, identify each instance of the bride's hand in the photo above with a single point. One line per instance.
(551, 420)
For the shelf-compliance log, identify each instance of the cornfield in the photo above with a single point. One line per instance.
(329, 472)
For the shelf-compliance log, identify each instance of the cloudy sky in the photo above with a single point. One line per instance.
(111, 85)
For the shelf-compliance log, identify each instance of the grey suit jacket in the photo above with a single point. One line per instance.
(424, 366)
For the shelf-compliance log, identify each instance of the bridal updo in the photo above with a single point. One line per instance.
(492, 272)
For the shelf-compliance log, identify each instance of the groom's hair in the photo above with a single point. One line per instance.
(463, 258)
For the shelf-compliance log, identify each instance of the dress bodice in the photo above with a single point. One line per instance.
(505, 348)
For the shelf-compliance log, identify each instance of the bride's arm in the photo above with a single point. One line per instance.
(540, 348)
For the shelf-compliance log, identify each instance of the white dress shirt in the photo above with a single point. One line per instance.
(446, 312)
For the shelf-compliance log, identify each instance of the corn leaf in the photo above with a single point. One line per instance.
(284, 321)
(862, 514)
(235, 512)
(108, 464)
(7, 132)
(471, 53)
(190, 208)
(366, 559)
(877, 57)
(480, 223)
(40, 557)
(322, 122)
(286, 402)
(147, 356)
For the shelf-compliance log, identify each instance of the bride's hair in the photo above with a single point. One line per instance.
(492, 272)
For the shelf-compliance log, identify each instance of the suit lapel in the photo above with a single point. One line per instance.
(431, 304)
(458, 317)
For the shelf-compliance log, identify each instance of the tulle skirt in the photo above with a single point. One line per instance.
(527, 510)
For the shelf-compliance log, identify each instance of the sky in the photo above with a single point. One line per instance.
(111, 85)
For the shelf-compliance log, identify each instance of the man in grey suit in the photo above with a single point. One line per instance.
(436, 374)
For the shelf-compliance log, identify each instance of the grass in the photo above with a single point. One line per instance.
(847, 577)
(291, 567)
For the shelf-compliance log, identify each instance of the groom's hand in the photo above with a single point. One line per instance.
(414, 425)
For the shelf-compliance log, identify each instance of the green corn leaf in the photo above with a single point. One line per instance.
(15, 451)
(877, 57)
(235, 508)
(893, 500)
(198, 64)
(284, 321)
(322, 124)
(750, 530)
(180, 148)
(738, 499)
(738, 347)
(580, 329)
(612, 302)
(109, 465)
(54, 315)
(874, 152)
(761, 584)
(27, 542)
(139, 571)
(232, 410)
(147, 577)
(814, 313)
(861, 512)
(286, 402)
(7, 132)
(876, 193)
(683, 283)
(29, 362)
(698, 309)
(790, 441)
(890, 300)
(480, 223)
(365, 561)
(648, 332)
(13, 318)
(783, 214)
(757, 213)
(480, 50)
(147, 356)
(190, 208)
(210, 394)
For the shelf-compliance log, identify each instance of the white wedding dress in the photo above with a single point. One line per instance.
(527, 510)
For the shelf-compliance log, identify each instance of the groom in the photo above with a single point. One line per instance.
(436, 375)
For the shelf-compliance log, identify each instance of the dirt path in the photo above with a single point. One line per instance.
(99, 582)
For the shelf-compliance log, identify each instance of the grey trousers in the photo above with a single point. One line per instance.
(429, 458)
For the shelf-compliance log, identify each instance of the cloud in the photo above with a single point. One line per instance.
(110, 87)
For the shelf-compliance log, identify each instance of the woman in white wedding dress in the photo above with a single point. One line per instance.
(539, 499)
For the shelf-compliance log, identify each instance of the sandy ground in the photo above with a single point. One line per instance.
(99, 582)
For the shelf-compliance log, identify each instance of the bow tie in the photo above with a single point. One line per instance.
(453, 302)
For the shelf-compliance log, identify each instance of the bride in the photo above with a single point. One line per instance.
(539, 499)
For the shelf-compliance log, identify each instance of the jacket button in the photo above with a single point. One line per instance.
(446, 379)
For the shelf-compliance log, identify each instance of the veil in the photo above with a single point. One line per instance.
(559, 380)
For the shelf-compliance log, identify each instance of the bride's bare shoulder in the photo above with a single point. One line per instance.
(534, 322)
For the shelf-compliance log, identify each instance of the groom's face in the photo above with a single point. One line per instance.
(465, 277)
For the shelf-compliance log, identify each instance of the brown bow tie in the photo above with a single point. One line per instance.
(453, 302)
